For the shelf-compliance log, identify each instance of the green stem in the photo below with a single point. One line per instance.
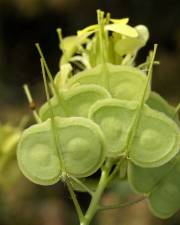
(90, 192)
(94, 204)
(75, 201)
(55, 89)
(31, 103)
(121, 205)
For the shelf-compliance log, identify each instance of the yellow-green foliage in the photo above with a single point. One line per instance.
(9, 137)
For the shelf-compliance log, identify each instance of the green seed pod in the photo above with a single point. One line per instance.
(144, 180)
(155, 101)
(156, 140)
(115, 118)
(76, 147)
(75, 102)
(122, 82)
(37, 155)
(164, 200)
(83, 144)
(160, 184)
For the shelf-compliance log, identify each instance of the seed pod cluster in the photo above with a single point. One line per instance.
(105, 109)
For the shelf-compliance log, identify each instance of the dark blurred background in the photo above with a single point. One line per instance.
(24, 22)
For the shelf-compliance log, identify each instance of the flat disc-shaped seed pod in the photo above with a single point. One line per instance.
(164, 200)
(155, 101)
(123, 82)
(77, 101)
(76, 147)
(57, 108)
(115, 118)
(83, 97)
(83, 146)
(37, 155)
(144, 180)
(88, 76)
(156, 141)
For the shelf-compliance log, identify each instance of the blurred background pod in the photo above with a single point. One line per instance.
(9, 172)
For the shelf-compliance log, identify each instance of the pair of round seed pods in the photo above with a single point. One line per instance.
(72, 146)
(159, 184)
(153, 158)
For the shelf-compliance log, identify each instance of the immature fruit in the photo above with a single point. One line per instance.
(122, 82)
(74, 102)
(160, 185)
(151, 141)
(75, 147)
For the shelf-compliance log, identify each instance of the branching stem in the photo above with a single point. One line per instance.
(75, 201)
(121, 205)
(94, 204)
